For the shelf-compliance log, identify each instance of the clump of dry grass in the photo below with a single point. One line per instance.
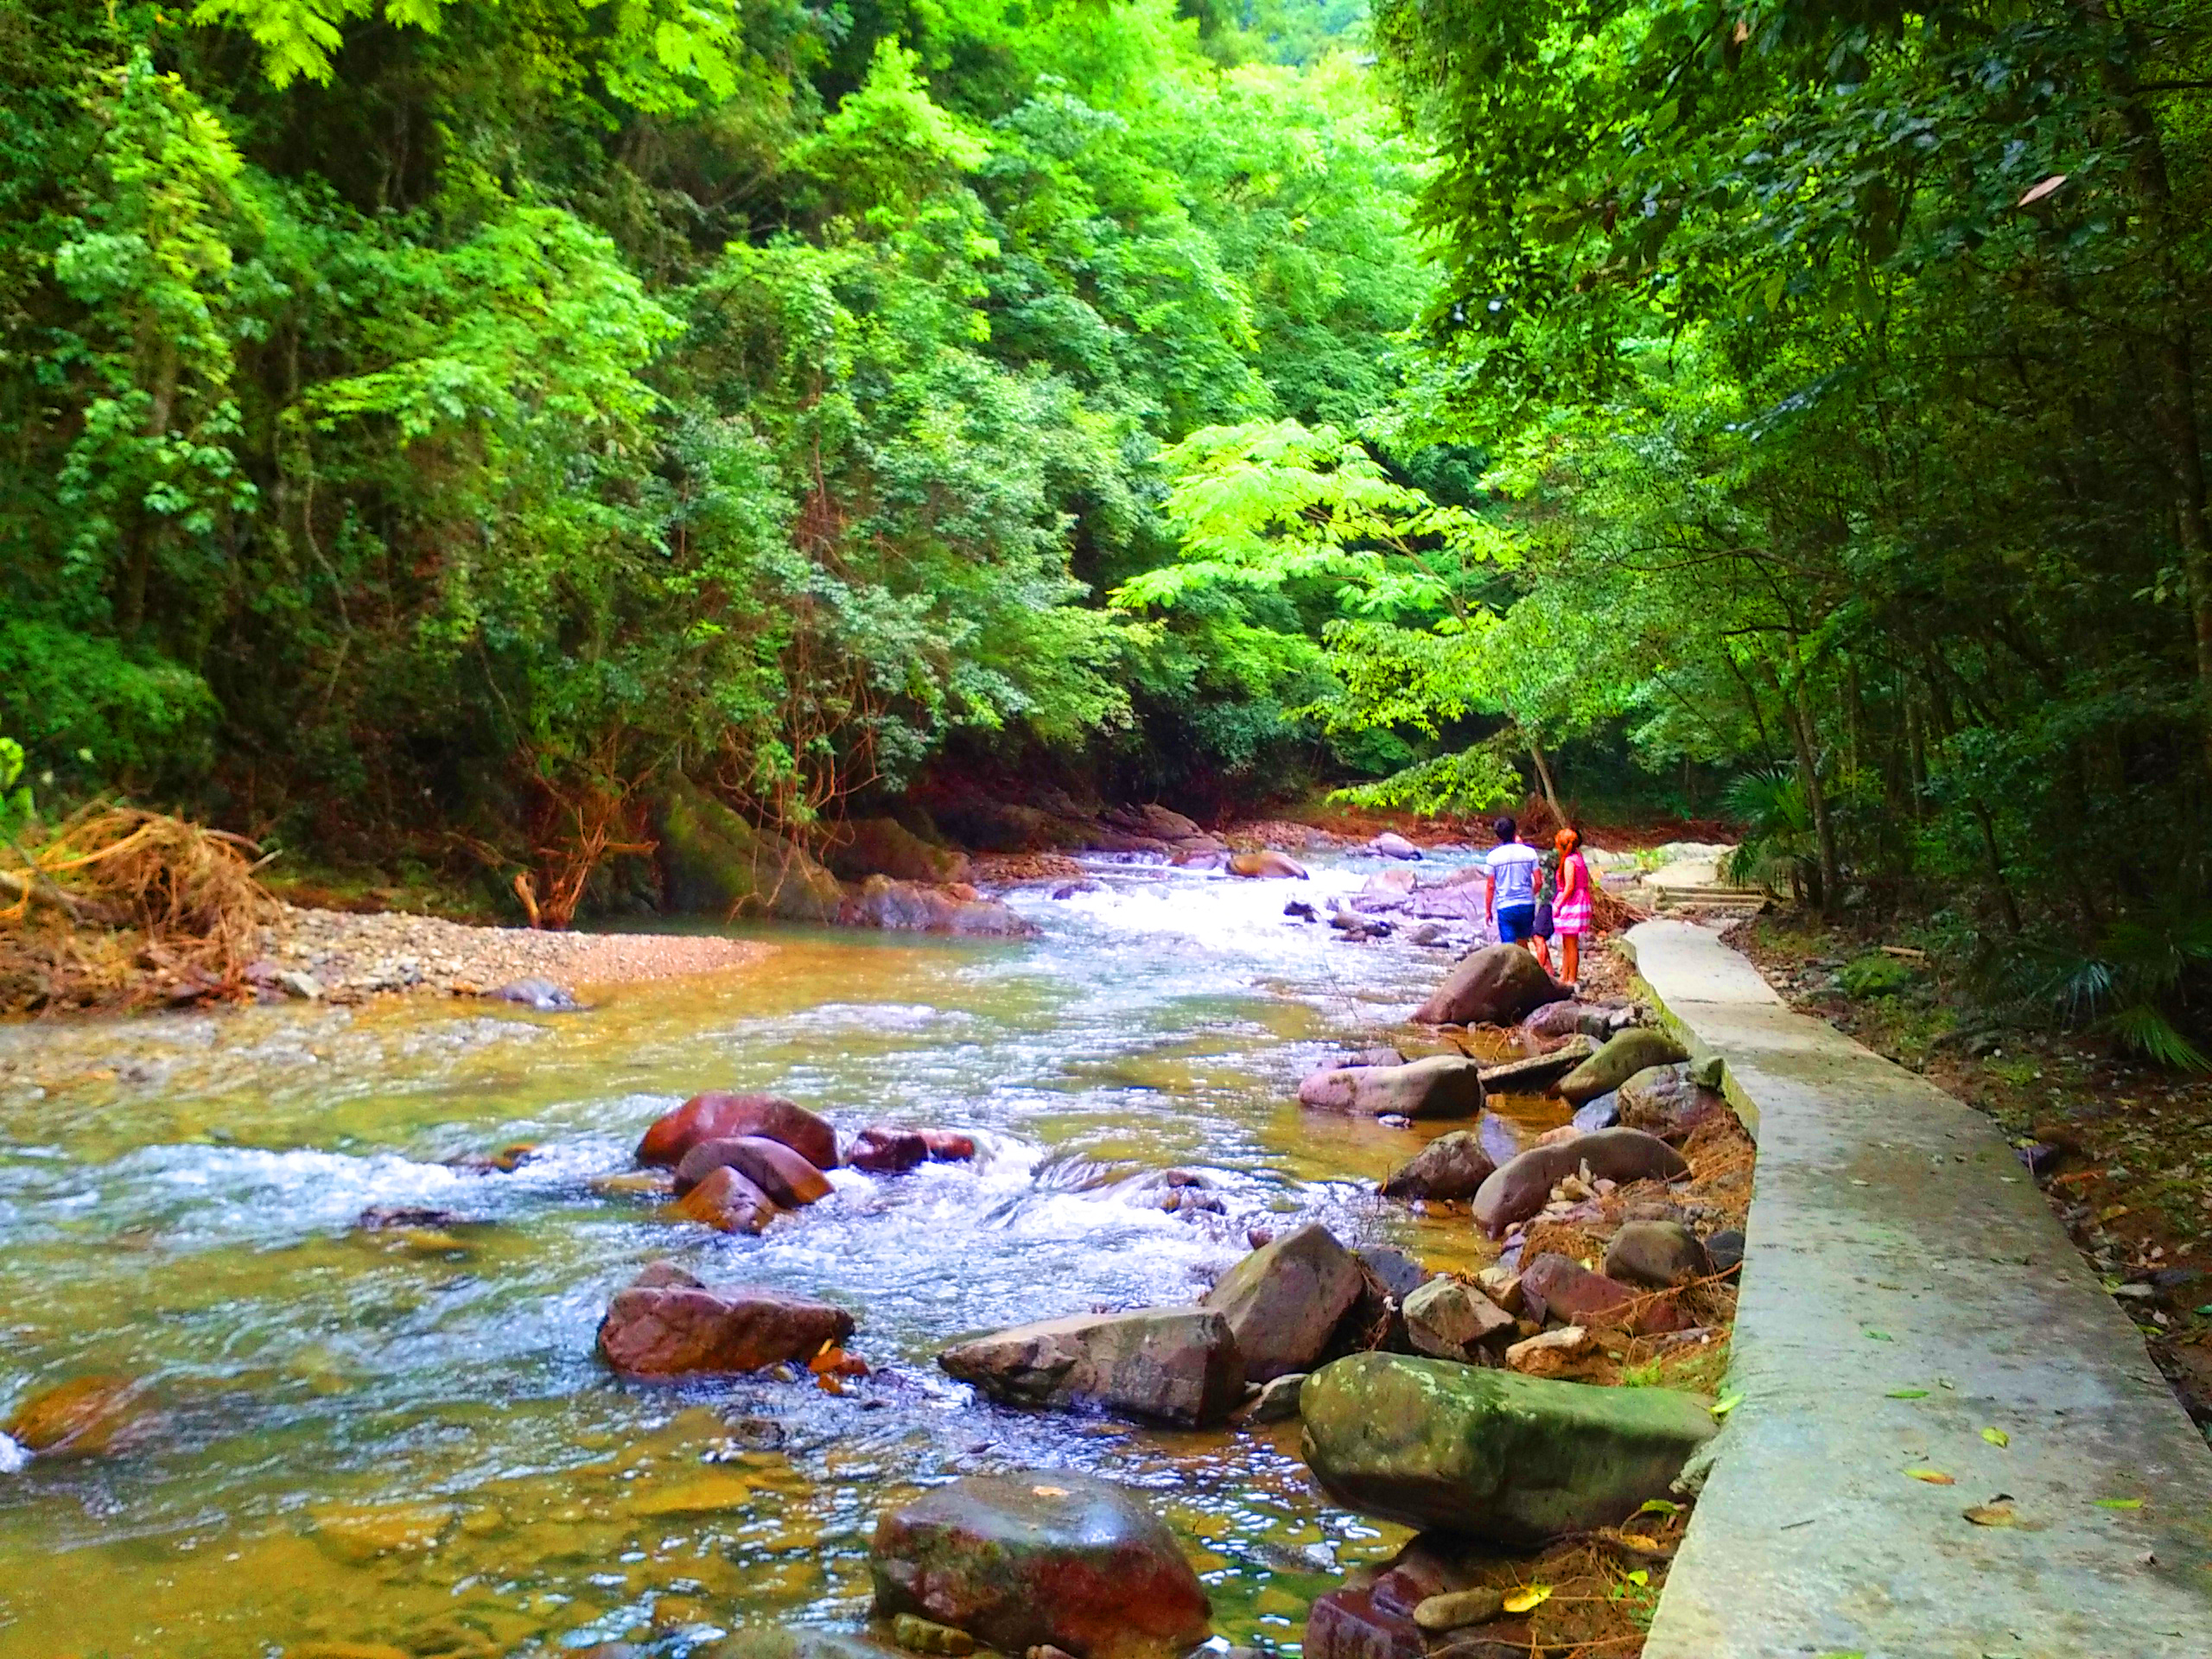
(119, 906)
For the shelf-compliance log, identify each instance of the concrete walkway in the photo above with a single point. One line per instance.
(1895, 1244)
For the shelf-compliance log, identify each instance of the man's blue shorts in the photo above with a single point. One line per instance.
(1516, 923)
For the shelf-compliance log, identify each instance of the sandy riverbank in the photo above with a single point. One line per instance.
(351, 956)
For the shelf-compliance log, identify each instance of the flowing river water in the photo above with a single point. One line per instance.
(372, 1445)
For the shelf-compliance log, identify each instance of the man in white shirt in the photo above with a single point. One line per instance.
(1513, 871)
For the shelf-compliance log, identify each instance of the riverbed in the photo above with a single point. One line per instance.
(374, 1444)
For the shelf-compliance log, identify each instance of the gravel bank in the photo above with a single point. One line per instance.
(350, 955)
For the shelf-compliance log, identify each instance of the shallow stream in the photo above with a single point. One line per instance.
(373, 1445)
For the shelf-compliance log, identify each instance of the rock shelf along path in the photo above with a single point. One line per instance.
(1910, 1309)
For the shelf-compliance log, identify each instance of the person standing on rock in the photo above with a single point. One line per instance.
(1510, 898)
(1571, 905)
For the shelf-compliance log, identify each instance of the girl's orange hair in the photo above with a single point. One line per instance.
(1566, 840)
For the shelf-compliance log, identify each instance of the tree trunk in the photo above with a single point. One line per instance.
(1544, 775)
(1816, 797)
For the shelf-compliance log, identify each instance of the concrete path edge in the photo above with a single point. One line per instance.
(1905, 1289)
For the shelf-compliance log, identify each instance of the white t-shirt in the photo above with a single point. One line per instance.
(1513, 866)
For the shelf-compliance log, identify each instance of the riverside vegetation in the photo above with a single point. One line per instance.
(433, 429)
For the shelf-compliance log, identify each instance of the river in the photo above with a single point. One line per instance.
(384, 1444)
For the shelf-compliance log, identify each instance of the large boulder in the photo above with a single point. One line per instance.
(886, 847)
(881, 1149)
(1266, 863)
(1390, 844)
(713, 862)
(1519, 1187)
(1498, 985)
(785, 1177)
(913, 908)
(1621, 1059)
(1284, 1302)
(1514, 1460)
(1667, 1102)
(1049, 1558)
(1451, 1167)
(727, 1202)
(718, 1115)
(1554, 1286)
(1169, 1365)
(1442, 1085)
(669, 1325)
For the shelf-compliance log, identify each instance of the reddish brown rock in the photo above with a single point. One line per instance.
(726, 1201)
(84, 1417)
(1555, 1286)
(783, 1174)
(884, 1151)
(674, 1330)
(947, 1146)
(718, 1115)
(1347, 1625)
(1495, 986)
(1049, 1559)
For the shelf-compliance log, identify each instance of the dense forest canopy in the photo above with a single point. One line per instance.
(446, 420)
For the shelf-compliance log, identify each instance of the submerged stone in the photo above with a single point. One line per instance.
(1511, 1460)
(675, 1328)
(1044, 1559)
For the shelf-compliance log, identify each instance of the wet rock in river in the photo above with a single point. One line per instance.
(1666, 1101)
(881, 1150)
(1391, 845)
(1442, 1085)
(789, 1179)
(1049, 1558)
(762, 1642)
(726, 1201)
(1169, 1365)
(1275, 1403)
(1503, 1138)
(1266, 863)
(1445, 1319)
(918, 907)
(84, 1417)
(505, 1161)
(674, 1330)
(1621, 1059)
(718, 1115)
(948, 1146)
(1520, 1188)
(1554, 1286)
(1515, 1460)
(1656, 1253)
(919, 1635)
(392, 1217)
(1498, 985)
(1285, 1300)
(543, 994)
(1451, 1167)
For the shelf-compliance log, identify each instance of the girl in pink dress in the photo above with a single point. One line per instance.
(1571, 907)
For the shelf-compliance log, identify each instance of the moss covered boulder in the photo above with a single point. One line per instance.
(714, 863)
(1048, 1558)
(1621, 1059)
(1513, 1460)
